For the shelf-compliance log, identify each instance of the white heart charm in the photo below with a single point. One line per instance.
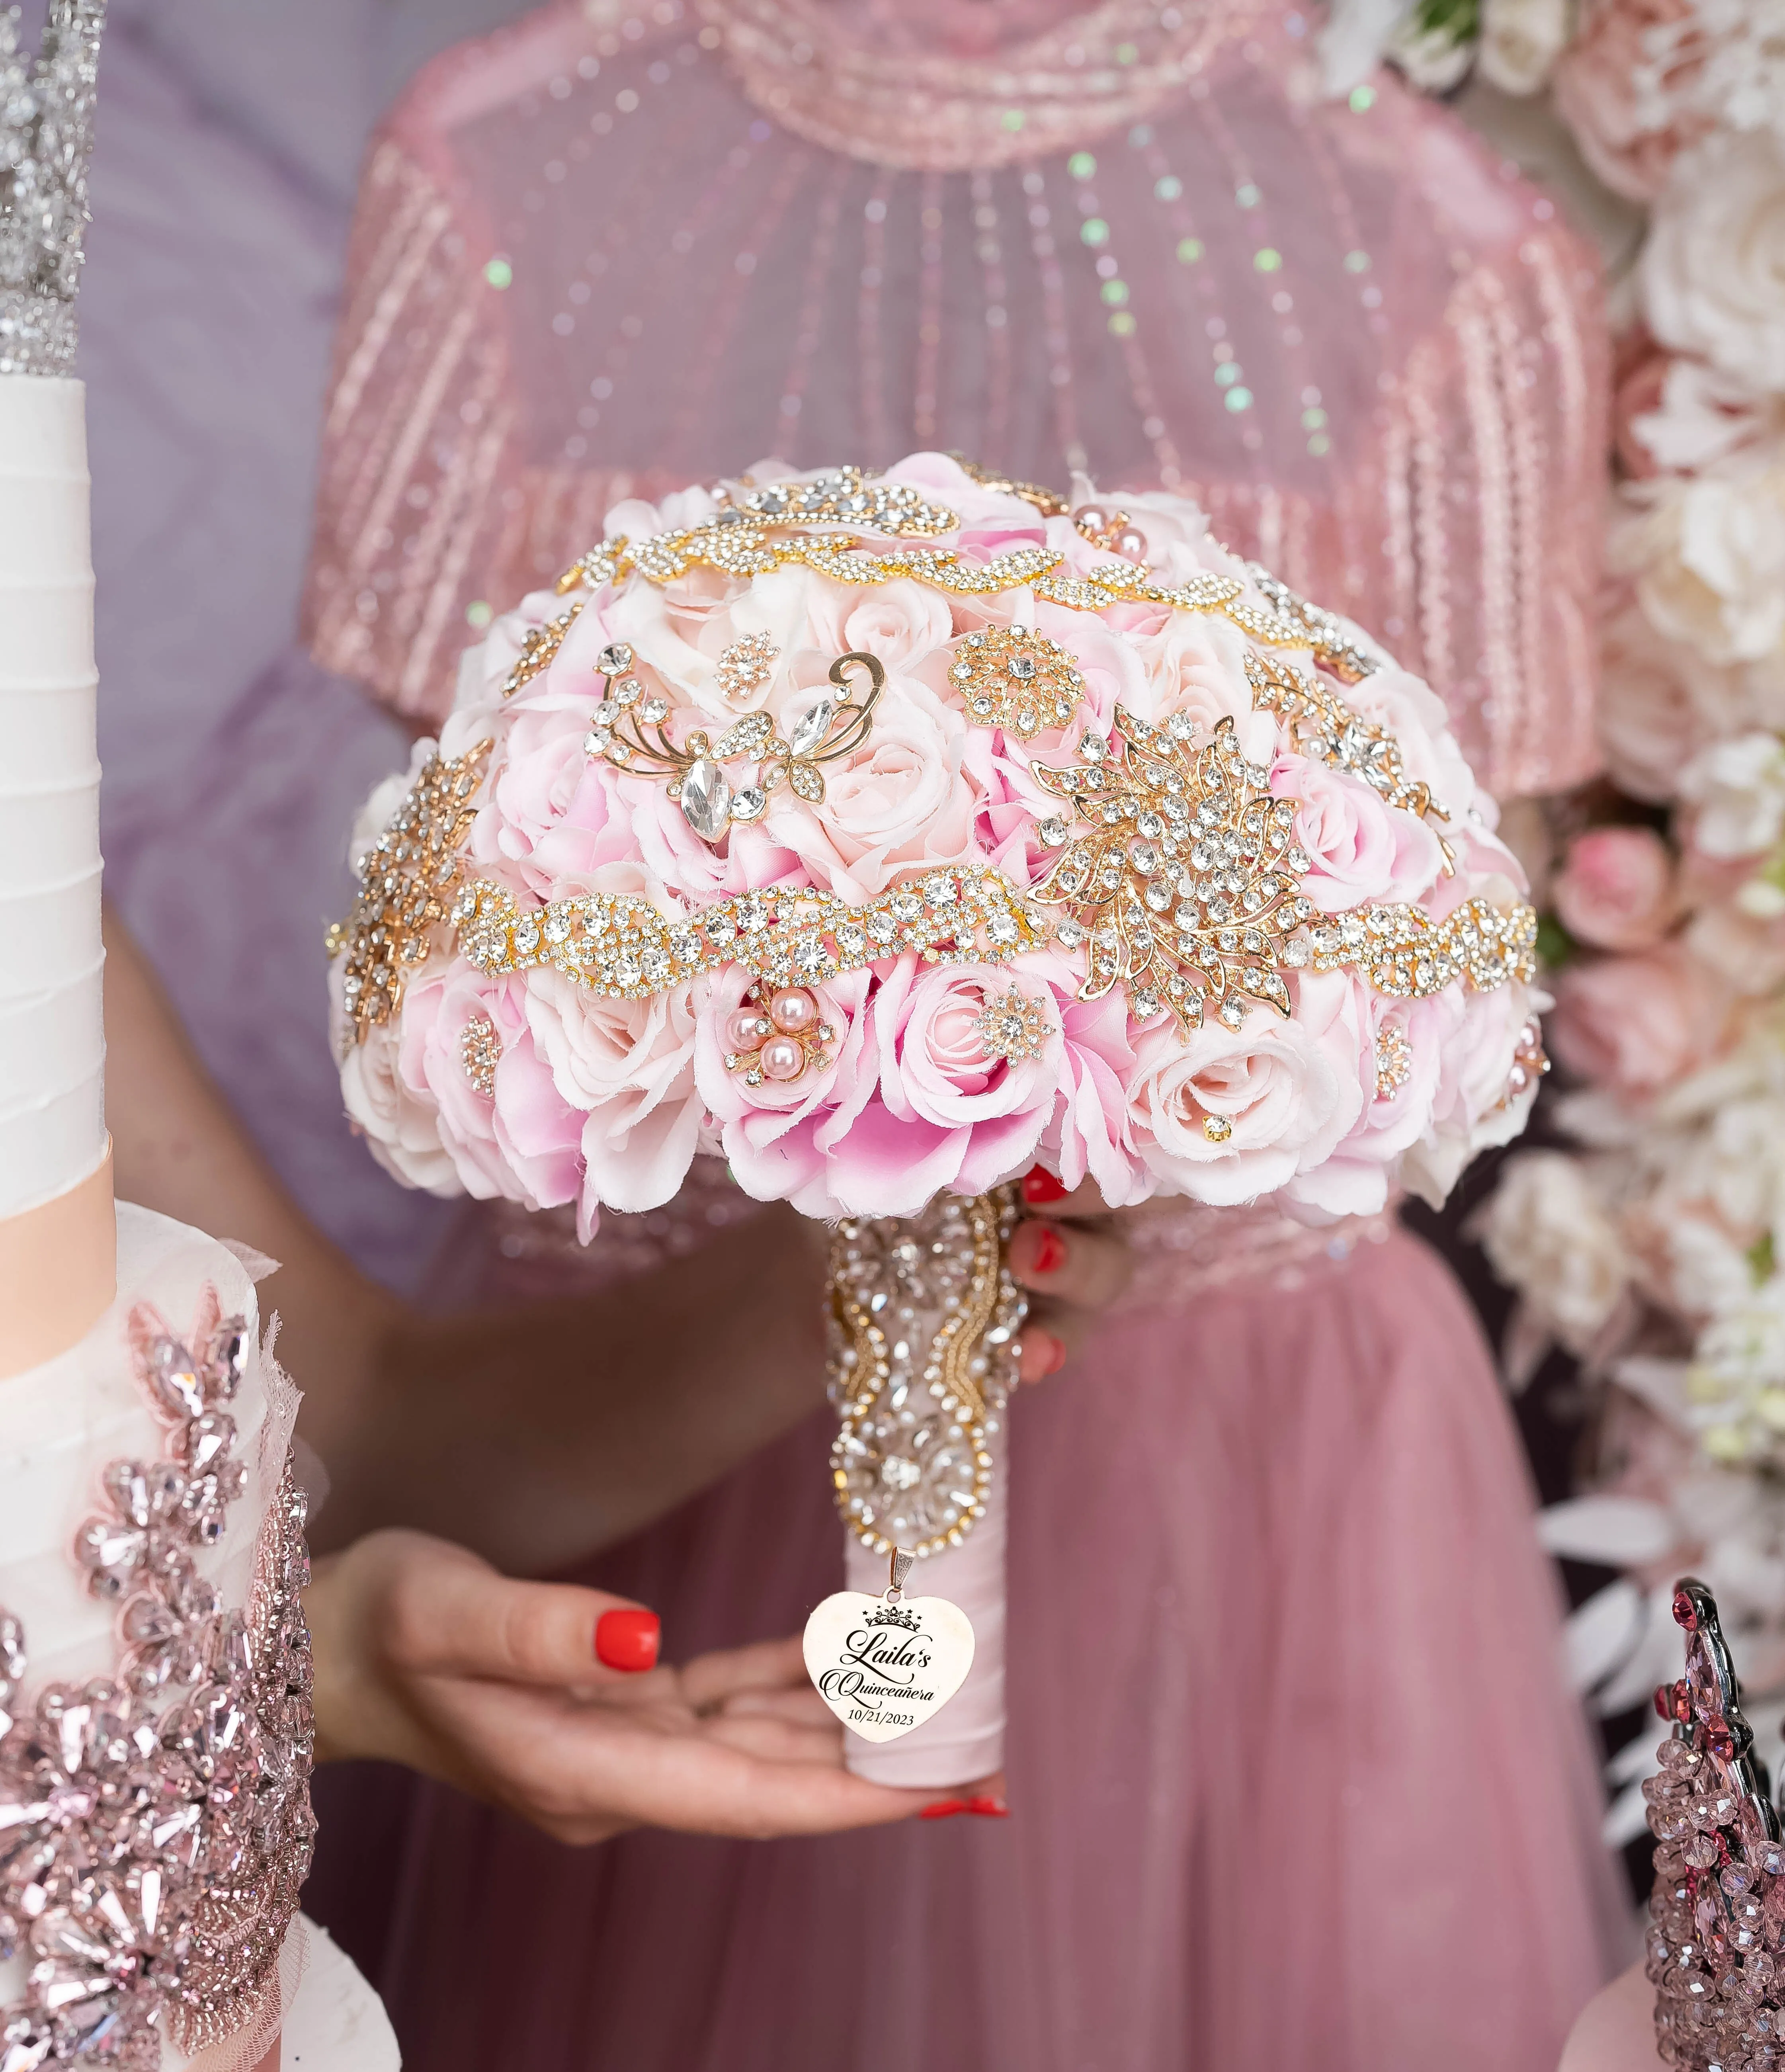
(883, 1667)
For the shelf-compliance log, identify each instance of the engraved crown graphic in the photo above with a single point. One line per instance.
(895, 1615)
(46, 138)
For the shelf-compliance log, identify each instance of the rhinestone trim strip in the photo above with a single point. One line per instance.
(157, 1824)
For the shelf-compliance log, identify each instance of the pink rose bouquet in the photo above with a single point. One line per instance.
(887, 836)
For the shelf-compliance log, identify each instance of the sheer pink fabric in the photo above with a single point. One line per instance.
(1297, 1787)
(627, 246)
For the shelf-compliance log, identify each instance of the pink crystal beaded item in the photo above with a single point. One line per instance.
(1716, 1915)
(155, 1827)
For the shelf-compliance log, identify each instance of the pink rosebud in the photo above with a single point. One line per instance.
(1633, 1024)
(1615, 890)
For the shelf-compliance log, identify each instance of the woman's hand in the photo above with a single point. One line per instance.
(1067, 1254)
(547, 1699)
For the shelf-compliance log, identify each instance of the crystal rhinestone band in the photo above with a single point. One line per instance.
(912, 1463)
(763, 530)
(620, 948)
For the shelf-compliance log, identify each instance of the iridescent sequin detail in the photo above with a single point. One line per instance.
(155, 1827)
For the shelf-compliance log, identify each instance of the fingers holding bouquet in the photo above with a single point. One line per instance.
(1069, 1254)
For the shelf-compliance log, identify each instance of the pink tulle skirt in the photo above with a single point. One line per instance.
(1295, 1783)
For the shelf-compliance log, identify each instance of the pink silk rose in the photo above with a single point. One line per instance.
(946, 1113)
(1631, 140)
(1288, 1091)
(626, 1069)
(777, 1136)
(1090, 1132)
(1634, 1023)
(1355, 1180)
(1475, 1104)
(905, 800)
(520, 1142)
(1615, 890)
(1363, 850)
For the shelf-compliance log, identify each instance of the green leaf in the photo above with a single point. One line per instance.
(1555, 946)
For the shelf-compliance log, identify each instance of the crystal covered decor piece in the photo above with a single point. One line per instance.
(155, 1825)
(1716, 1943)
(46, 138)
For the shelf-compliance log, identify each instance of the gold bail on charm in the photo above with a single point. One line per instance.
(901, 1567)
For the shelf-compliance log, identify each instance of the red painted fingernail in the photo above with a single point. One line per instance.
(1040, 1185)
(946, 1809)
(988, 1809)
(1045, 1346)
(1047, 1250)
(628, 1639)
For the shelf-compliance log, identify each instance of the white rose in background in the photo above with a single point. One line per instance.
(1660, 700)
(1738, 789)
(1709, 1272)
(1546, 1235)
(1707, 553)
(1520, 42)
(1358, 34)
(1745, 951)
(1736, 1384)
(1713, 271)
(1704, 416)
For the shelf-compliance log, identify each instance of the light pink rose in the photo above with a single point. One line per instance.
(1629, 144)
(1743, 951)
(626, 1067)
(1659, 700)
(1407, 707)
(1089, 1135)
(1474, 1105)
(522, 1142)
(1196, 664)
(1362, 850)
(1636, 1024)
(1290, 1090)
(1355, 1180)
(899, 624)
(777, 1136)
(905, 799)
(945, 1114)
(942, 478)
(400, 1125)
(1616, 888)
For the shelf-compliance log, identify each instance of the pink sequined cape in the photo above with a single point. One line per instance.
(621, 247)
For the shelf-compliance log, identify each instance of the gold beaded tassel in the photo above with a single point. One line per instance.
(924, 1317)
